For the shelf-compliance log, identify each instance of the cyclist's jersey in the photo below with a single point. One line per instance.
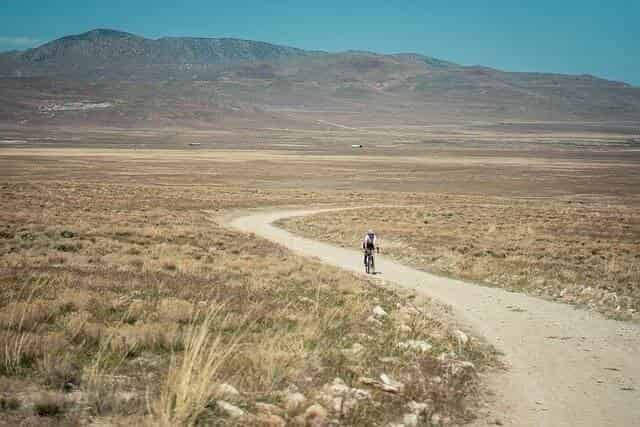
(369, 242)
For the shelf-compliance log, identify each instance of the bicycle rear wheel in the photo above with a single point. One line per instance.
(370, 264)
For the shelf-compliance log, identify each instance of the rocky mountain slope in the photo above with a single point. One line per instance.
(152, 78)
(104, 46)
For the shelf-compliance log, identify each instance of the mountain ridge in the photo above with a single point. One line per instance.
(200, 77)
(104, 45)
(114, 48)
(92, 48)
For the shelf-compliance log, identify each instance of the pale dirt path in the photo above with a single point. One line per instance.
(567, 367)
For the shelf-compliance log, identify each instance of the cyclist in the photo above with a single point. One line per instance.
(369, 244)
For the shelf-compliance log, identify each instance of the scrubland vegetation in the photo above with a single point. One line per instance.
(123, 298)
(581, 251)
(129, 303)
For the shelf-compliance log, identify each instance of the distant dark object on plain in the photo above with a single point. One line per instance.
(68, 234)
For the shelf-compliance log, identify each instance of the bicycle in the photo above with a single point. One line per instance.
(369, 262)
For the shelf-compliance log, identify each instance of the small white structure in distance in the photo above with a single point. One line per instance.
(356, 146)
(195, 144)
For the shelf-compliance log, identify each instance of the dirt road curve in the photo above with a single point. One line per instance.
(567, 367)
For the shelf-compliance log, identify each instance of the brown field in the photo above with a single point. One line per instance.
(580, 252)
(119, 286)
(124, 301)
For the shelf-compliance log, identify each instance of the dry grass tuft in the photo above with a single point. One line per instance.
(16, 351)
(132, 339)
(18, 342)
(99, 379)
(190, 384)
(269, 363)
(175, 310)
(25, 315)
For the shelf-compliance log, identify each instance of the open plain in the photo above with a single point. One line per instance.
(121, 283)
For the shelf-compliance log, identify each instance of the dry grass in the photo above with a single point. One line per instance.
(190, 384)
(100, 381)
(577, 251)
(109, 256)
(60, 372)
(118, 326)
(18, 340)
(16, 351)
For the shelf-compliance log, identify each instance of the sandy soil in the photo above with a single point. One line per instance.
(567, 367)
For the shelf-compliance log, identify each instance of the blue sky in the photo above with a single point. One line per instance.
(565, 36)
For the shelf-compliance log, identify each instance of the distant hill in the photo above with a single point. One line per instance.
(145, 79)
(100, 47)
(115, 53)
(119, 54)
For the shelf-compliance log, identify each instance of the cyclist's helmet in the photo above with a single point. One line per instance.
(370, 233)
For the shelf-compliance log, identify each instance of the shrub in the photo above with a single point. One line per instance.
(60, 372)
(9, 403)
(68, 247)
(19, 346)
(50, 405)
(6, 234)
